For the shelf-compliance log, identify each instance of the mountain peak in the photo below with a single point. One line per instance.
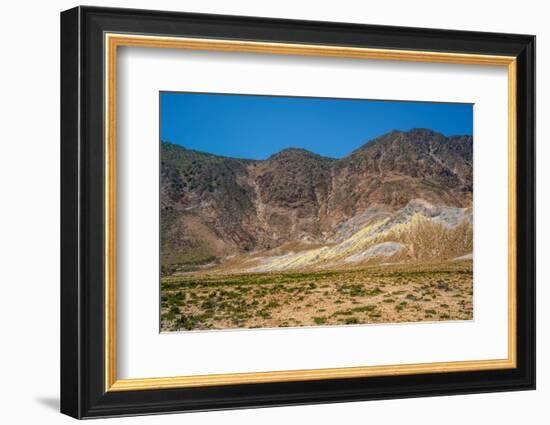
(415, 135)
(422, 131)
(289, 153)
(296, 151)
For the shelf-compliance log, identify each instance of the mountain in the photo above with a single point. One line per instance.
(215, 207)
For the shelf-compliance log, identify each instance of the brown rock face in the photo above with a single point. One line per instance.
(213, 206)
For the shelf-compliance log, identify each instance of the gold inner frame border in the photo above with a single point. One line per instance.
(111, 43)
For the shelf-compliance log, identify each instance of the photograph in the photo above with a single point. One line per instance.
(285, 211)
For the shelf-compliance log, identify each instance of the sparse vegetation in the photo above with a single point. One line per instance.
(320, 320)
(412, 292)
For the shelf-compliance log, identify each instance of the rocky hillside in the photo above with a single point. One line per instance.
(215, 207)
(419, 231)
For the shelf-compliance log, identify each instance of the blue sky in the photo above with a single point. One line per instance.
(255, 127)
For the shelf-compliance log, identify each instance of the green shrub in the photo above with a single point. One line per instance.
(320, 320)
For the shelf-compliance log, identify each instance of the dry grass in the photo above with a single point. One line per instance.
(425, 239)
(377, 294)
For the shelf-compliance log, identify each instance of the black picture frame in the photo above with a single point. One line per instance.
(83, 392)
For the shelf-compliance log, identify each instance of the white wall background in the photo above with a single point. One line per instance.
(29, 224)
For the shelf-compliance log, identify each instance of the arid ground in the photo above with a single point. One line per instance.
(376, 294)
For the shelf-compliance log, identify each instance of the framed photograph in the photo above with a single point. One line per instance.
(261, 212)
